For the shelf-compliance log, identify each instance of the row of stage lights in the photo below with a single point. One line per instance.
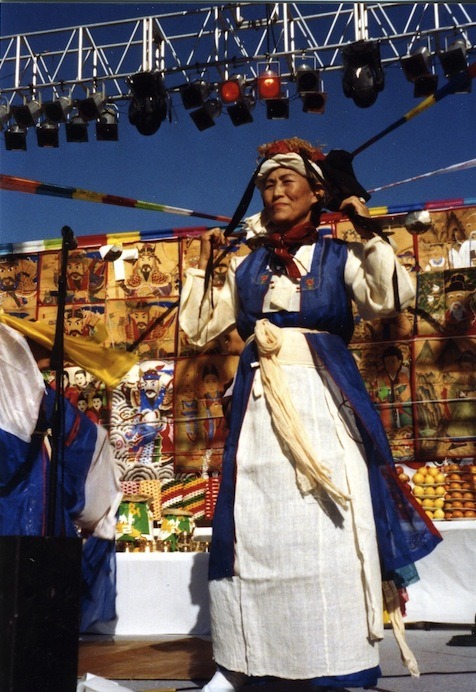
(363, 79)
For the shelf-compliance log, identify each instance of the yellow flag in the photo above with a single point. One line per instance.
(107, 364)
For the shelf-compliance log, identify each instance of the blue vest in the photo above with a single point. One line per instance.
(325, 304)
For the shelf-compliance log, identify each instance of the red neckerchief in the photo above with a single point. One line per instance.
(281, 245)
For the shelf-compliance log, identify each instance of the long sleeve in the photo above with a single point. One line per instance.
(368, 276)
(201, 320)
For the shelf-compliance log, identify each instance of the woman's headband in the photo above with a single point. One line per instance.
(294, 162)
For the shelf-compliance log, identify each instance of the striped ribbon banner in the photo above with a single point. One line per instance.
(96, 241)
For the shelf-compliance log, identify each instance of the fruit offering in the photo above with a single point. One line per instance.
(429, 489)
(460, 498)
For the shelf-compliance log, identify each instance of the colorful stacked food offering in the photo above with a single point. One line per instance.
(460, 499)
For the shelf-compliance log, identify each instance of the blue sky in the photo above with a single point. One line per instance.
(208, 171)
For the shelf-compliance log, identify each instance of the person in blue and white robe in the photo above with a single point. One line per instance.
(310, 518)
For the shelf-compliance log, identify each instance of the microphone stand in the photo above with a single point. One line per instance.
(57, 364)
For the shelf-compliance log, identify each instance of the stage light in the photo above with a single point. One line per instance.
(194, 94)
(416, 64)
(232, 90)
(417, 68)
(363, 75)
(15, 138)
(148, 108)
(27, 114)
(453, 59)
(90, 108)
(106, 126)
(309, 88)
(57, 111)
(307, 79)
(204, 117)
(269, 85)
(240, 113)
(47, 135)
(454, 62)
(76, 130)
(277, 109)
(314, 102)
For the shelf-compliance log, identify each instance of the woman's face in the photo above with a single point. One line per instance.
(288, 198)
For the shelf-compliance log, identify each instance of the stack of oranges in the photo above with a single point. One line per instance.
(460, 500)
(429, 489)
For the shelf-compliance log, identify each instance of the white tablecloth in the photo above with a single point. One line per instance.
(167, 593)
(160, 593)
(446, 591)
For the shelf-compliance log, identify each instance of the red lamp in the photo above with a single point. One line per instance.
(269, 85)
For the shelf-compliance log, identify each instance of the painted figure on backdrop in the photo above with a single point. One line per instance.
(85, 278)
(214, 425)
(143, 324)
(188, 409)
(461, 403)
(151, 434)
(394, 391)
(147, 278)
(98, 411)
(80, 322)
(82, 403)
(457, 315)
(17, 282)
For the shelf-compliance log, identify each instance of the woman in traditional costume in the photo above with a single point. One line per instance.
(310, 518)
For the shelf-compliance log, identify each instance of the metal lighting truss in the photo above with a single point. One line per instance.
(217, 41)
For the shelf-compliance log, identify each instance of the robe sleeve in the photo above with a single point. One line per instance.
(368, 276)
(203, 318)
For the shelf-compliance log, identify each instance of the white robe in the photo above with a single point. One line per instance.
(305, 600)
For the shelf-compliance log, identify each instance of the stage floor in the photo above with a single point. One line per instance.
(443, 668)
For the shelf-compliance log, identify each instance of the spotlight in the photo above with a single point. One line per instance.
(363, 75)
(277, 109)
(57, 111)
(240, 113)
(455, 64)
(28, 114)
(204, 117)
(417, 68)
(194, 94)
(307, 80)
(309, 88)
(314, 102)
(453, 59)
(15, 138)
(90, 108)
(148, 108)
(76, 130)
(47, 135)
(269, 85)
(232, 90)
(106, 126)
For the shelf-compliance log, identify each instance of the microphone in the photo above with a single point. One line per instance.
(69, 240)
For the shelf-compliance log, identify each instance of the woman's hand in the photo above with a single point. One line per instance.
(355, 205)
(208, 241)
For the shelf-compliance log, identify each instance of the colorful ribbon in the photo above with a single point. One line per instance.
(95, 241)
(449, 169)
(9, 182)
